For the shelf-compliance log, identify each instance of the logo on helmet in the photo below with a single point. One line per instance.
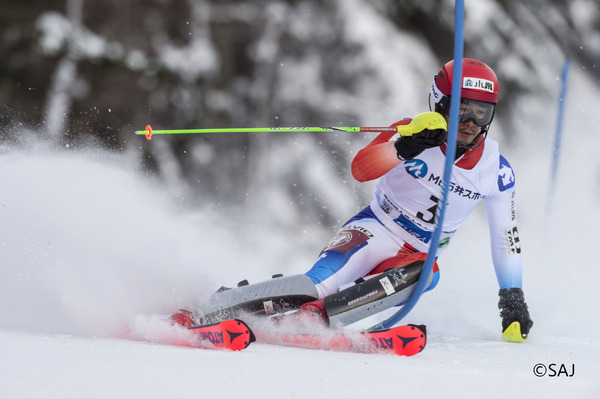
(477, 83)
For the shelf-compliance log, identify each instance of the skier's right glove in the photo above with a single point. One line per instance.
(408, 147)
(516, 322)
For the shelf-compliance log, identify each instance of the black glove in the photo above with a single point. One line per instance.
(513, 308)
(409, 147)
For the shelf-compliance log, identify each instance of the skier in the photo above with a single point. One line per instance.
(374, 261)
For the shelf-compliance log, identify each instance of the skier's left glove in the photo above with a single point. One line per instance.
(516, 322)
(408, 147)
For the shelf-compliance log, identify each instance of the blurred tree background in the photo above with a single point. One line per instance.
(81, 71)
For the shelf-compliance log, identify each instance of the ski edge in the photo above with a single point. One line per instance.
(406, 340)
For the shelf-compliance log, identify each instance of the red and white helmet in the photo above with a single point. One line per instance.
(479, 85)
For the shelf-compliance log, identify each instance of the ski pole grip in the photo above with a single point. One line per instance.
(426, 120)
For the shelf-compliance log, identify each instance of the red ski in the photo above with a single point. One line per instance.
(404, 340)
(233, 335)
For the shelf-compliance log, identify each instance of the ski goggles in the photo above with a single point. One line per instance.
(480, 112)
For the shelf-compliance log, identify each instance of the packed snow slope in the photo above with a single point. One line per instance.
(89, 246)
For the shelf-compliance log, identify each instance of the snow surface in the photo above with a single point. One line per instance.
(89, 246)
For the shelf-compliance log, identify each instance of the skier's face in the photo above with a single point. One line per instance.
(471, 113)
(467, 132)
(472, 116)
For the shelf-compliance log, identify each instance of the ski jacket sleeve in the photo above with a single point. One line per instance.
(502, 219)
(377, 158)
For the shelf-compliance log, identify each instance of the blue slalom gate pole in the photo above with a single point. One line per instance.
(562, 99)
(450, 154)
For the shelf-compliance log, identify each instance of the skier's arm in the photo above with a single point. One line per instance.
(505, 241)
(506, 255)
(377, 158)
(382, 155)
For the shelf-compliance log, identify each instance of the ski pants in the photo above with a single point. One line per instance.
(359, 248)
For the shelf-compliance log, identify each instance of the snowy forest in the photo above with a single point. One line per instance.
(78, 71)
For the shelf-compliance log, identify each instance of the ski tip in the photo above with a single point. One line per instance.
(252, 336)
(405, 340)
(421, 327)
(419, 334)
(513, 333)
(230, 334)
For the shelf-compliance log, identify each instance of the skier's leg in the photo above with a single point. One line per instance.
(390, 284)
(268, 297)
(354, 251)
